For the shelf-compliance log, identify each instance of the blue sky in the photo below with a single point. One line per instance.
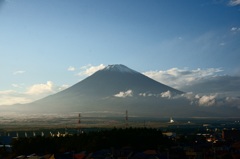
(46, 46)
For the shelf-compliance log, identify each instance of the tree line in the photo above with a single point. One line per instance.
(136, 138)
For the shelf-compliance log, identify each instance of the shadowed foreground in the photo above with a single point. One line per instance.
(138, 139)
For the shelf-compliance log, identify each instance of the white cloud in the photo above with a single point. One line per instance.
(234, 2)
(90, 69)
(9, 100)
(18, 72)
(10, 97)
(71, 68)
(199, 99)
(65, 86)
(166, 94)
(143, 94)
(41, 88)
(34, 92)
(207, 100)
(147, 94)
(128, 93)
(212, 99)
(177, 78)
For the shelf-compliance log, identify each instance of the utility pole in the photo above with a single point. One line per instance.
(126, 119)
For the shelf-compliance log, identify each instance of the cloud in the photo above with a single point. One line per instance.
(71, 68)
(128, 93)
(10, 97)
(218, 100)
(235, 29)
(207, 100)
(233, 101)
(201, 100)
(41, 88)
(212, 100)
(215, 84)
(166, 94)
(18, 72)
(147, 94)
(177, 78)
(34, 92)
(65, 86)
(90, 69)
(234, 2)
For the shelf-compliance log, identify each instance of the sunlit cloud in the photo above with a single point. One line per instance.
(90, 69)
(166, 94)
(9, 100)
(10, 97)
(32, 93)
(207, 100)
(213, 100)
(18, 72)
(128, 93)
(41, 88)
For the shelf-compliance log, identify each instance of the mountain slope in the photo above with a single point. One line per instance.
(117, 88)
(116, 78)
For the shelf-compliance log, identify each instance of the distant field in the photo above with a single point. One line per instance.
(12, 122)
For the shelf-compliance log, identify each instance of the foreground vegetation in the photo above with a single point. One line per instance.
(137, 138)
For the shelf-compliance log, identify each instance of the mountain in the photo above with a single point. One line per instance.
(117, 88)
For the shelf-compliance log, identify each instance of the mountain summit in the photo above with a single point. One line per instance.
(117, 88)
(119, 68)
(117, 78)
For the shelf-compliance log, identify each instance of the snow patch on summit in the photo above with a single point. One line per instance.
(119, 68)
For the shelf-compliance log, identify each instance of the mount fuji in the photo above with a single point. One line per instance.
(117, 88)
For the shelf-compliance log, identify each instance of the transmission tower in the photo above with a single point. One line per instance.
(79, 123)
(126, 119)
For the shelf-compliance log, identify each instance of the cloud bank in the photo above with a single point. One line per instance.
(202, 100)
(32, 93)
(178, 78)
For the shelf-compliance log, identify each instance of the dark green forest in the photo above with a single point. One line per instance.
(136, 138)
